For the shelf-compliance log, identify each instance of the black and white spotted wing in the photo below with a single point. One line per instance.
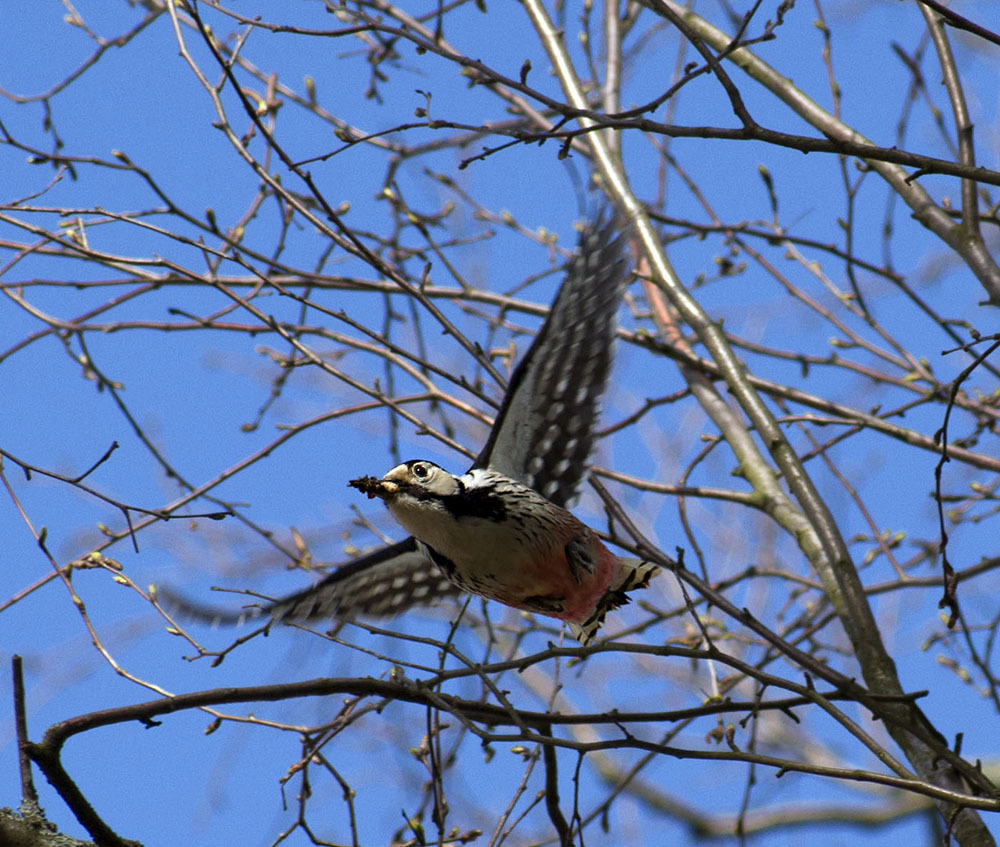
(380, 584)
(542, 436)
(544, 432)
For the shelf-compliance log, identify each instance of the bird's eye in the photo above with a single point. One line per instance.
(420, 470)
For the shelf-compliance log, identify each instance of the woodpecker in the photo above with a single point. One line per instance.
(496, 537)
(502, 529)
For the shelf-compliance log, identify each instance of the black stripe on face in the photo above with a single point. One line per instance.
(476, 503)
(421, 492)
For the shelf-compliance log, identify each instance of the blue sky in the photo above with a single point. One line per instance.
(194, 392)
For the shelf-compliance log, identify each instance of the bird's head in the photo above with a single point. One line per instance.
(417, 478)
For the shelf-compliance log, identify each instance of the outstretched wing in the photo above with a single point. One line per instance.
(380, 584)
(544, 431)
(542, 436)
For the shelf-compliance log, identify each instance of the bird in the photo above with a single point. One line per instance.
(496, 537)
(502, 529)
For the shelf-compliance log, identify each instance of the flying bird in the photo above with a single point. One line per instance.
(502, 530)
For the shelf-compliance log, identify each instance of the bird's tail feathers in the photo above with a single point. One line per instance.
(635, 573)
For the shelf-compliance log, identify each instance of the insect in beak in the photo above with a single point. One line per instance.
(373, 487)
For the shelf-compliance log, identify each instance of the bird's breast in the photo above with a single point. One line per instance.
(523, 561)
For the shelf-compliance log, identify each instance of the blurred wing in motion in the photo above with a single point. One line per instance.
(544, 431)
(380, 584)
